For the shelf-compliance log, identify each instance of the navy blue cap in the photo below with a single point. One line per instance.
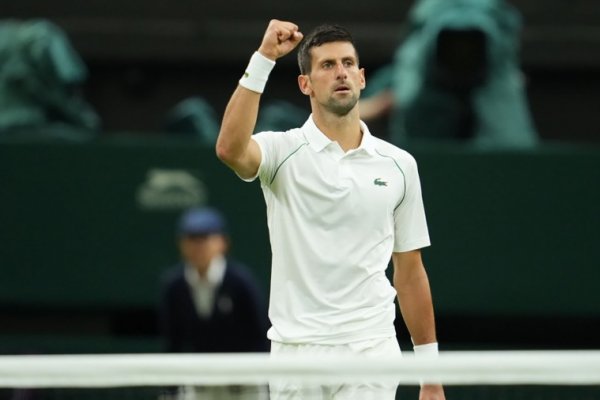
(201, 221)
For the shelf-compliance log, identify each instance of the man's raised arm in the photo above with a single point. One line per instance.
(234, 146)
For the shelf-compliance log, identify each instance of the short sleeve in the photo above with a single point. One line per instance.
(410, 224)
(267, 145)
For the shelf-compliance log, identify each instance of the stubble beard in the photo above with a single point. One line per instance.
(341, 107)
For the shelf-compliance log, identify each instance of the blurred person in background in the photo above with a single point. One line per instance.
(455, 77)
(211, 303)
(41, 83)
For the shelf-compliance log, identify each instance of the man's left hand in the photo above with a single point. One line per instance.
(432, 392)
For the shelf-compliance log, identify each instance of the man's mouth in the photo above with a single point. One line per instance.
(342, 88)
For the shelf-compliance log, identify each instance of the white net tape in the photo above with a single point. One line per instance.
(451, 368)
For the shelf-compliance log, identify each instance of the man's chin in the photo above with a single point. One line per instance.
(343, 108)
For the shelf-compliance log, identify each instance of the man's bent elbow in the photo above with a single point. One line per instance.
(222, 151)
(230, 157)
(226, 153)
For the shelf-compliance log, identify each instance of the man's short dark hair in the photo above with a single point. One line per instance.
(322, 34)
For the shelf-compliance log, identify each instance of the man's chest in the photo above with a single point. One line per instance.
(330, 183)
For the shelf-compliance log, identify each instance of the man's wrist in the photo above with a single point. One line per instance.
(257, 73)
(426, 350)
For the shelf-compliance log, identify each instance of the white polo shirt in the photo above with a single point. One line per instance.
(334, 220)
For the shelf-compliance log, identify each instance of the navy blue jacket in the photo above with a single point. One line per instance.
(239, 326)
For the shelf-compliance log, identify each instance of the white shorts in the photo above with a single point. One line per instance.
(290, 390)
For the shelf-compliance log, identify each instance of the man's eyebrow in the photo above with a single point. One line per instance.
(331, 59)
(324, 60)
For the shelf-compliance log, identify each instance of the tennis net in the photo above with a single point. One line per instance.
(507, 375)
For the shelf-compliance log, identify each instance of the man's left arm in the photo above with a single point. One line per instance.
(414, 296)
(416, 306)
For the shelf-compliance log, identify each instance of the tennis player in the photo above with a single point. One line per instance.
(340, 204)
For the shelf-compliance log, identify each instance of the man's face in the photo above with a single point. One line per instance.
(199, 250)
(335, 80)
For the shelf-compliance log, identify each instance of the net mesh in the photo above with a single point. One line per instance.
(474, 392)
(465, 375)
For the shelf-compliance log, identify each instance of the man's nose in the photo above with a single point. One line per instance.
(340, 71)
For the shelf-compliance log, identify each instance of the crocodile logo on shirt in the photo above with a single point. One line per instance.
(379, 182)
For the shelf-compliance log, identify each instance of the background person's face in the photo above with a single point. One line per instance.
(199, 250)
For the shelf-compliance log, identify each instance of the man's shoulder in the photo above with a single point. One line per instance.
(237, 269)
(387, 149)
(239, 272)
(172, 275)
(289, 138)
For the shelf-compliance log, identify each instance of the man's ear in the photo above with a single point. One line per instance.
(363, 80)
(304, 84)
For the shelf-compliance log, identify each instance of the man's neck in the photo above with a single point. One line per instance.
(344, 130)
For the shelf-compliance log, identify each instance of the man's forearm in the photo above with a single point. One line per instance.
(238, 124)
(241, 112)
(234, 146)
(417, 309)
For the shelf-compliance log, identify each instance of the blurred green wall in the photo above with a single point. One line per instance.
(92, 224)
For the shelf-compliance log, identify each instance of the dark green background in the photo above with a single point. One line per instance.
(513, 232)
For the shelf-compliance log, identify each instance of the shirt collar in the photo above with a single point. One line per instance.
(214, 274)
(318, 140)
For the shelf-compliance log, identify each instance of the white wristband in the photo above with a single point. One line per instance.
(426, 350)
(429, 350)
(257, 73)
